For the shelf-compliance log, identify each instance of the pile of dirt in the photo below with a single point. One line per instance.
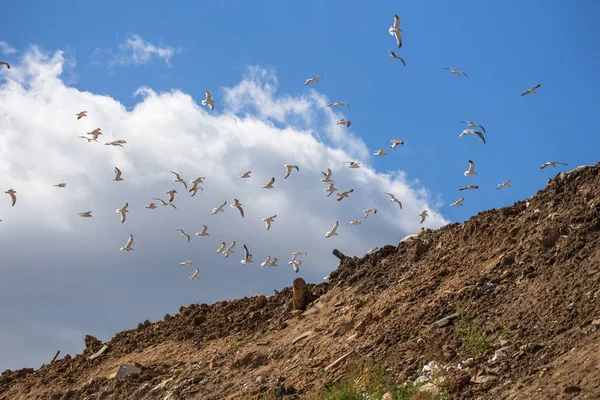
(504, 306)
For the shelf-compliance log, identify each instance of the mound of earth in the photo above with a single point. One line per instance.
(504, 306)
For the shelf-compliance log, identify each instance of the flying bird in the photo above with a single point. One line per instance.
(326, 176)
(208, 101)
(266, 262)
(95, 133)
(352, 164)
(469, 187)
(118, 174)
(86, 214)
(288, 169)
(123, 211)
(551, 164)
(171, 194)
(504, 185)
(296, 265)
(354, 222)
(458, 203)
(333, 230)
(393, 199)
(270, 184)
(341, 195)
(472, 132)
(61, 185)
(246, 174)
(296, 254)
(455, 72)
(395, 143)
(338, 104)
(268, 221)
(185, 263)
(423, 215)
(183, 233)
(195, 189)
(151, 206)
(219, 209)
(81, 114)
(203, 232)
(194, 276)
(164, 203)
(395, 57)
(247, 256)
(229, 250)
(128, 245)
(471, 170)
(369, 211)
(273, 263)
(221, 248)
(238, 205)
(379, 153)
(12, 193)
(330, 189)
(343, 122)
(395, 31)
(115, 143)
(178, 179)
(5, 63)
(88, 139)
(314, 79)
(473, 125)
(531, 90)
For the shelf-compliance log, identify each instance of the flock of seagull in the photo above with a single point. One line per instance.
(395, 31)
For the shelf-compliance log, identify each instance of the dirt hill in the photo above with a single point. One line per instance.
(519, 287)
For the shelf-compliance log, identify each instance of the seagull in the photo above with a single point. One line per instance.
(532, 90)
(343, 122)
(194, 276)
(471, 170)
(379, 153)
(458, 203)
(473, 125)
(12, 194)
(118, 174)
(208, 101)
(296, 265)
(354, 222)
(151, 206)
(95, 133)
(338, 104)
(395, 143)
(352, 164)
(183, 264)
(61, 185)
(119, 143)
(179, 179)
(183, 233)
(469, 187)
(455, 72)
(266, 262)
(369, 211)
(393, 199)
(219, 209)
(221, 248)
(547, 164)
(270, 184)
(128, 245)
(238, 205)
(197, 181)
(288, 169)
(88, 139)
(195, 189)
(203, 232)
(81, 114)
(268, 221)
(395, 57)
(164, 203)
(314, 79)
(247, 256)
(246, 174)
(273, 263)
(123, 211)
(229, 250)
(332, 232)
(326, 176)
(86, 214)
(395, 31)
(472, 132)
(330, 189)
(296, 254)
(341, 195)
(504, 185)
(171, 194)
(5, 63)
(423, 215)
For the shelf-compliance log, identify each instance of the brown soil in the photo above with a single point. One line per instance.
(524, 278)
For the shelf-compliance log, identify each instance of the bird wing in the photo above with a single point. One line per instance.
(402, 61)
(471, 166)
(118, 172)
(398, 39)
(241, 210)
(482, 128)
(396, 22)
(176, 174)
(480, 136)
(335, 226)
(129, 241)
(271, 181)
(391, 195)
(208, 96)
(246, 253)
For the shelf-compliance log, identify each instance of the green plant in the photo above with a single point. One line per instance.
(472, 336)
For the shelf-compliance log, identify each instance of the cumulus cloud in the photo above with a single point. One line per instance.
(137, 51)
(6, 49)
(70, 268)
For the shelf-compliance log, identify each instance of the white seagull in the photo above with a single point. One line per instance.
(551, 164)
(185, 263)
(393, 199)
(504, 185)
(221, 248)
(208, 100)
(326, 176)
(194, 189)
(128, 245)
(266, 262)
(472, 132)
(194, 276)
(61, 185)
(81, 114)
(203, 232)
(458, 203)
(379, 153)
(343, 122)
(270, 184)
(395, 31)
(471, 170)
(288, 169)
(247, 256)
(229, 250)
(330, 189)
(314, 79)
(13, 195)
(219, 209)
(341, 195)
(163, 202)
(273, 263)
(178, 179)
(296, 254)
(395, 57)
(238, 205)
(94, 134)
(369, 211)
(183, 233)
(532, 90)
(116, 143)
(455, 72)
(246, 174)
(352, 164)
(151, 206)
(118, 174)
(296, 265)
(423, 215)
(123, 211)
(337, 104)
(171, 194)
(332, 232)
(268, 221)
(354, 222)
(395, 143)
(85, 214)
(473, 125)
(89, 139)
(469, 187)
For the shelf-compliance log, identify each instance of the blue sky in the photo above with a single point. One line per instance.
(505, 48)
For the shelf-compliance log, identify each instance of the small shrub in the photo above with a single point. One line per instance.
(472, 336)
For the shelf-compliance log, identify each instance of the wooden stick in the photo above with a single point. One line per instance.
(56, 355)
(339, 254)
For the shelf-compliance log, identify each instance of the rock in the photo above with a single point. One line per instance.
(299, 294)
(261, 380)
(572, 389)
(261, 301)
(92, 344)
(449, 353)
(429, 388)
(128, 369)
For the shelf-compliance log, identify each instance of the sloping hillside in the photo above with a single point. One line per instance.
(520, 286)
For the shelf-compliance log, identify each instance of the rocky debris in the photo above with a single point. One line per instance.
(299, 294)
(127, 369)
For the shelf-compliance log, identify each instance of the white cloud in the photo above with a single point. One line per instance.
(54, 256)
(137, 51)
(6, 49)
